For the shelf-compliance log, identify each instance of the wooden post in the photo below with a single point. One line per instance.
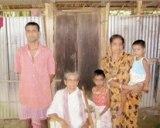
(139, 7)
(104, 30)
(50, 25)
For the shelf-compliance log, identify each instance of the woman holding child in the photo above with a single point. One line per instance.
(116, 66)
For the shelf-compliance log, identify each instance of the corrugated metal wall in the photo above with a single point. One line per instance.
(12, 36)
(143, 27)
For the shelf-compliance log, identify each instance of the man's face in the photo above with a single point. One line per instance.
(32, 33)
(71, 82)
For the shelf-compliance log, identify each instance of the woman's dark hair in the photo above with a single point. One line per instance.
(99, 72)
(139, 42)
(33, 24)
(116, 36)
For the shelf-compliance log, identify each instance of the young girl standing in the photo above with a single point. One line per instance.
(100, 96)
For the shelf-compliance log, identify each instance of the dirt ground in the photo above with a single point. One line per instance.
(148, 118)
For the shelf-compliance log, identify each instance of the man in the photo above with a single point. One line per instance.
(36, 68)
(68, 107)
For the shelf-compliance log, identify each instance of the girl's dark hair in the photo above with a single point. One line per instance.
(116, 36)
(139, 42)
(33, 24)
(99, 72)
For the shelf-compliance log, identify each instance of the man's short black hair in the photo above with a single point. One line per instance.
(33, 24)
(99, 72)
(139, 42)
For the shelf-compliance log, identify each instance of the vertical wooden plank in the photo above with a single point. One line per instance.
(50, 18)
(49, 24)
(66, 46)
(88, 46)
(139, 7)
(104, 30)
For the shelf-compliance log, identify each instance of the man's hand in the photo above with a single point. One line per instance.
(51, 78)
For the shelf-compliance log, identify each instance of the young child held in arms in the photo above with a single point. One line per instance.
(139, 72)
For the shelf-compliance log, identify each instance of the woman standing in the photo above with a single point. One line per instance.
(116, 65)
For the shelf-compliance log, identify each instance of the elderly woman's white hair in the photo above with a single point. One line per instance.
(67, 74)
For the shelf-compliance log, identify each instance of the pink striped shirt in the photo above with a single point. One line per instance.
(34, 83)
